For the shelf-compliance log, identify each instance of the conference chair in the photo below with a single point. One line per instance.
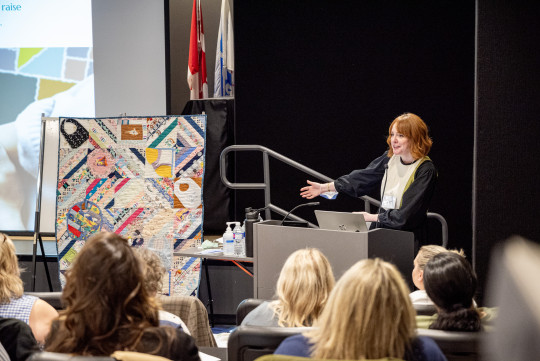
(192, 311)
(425, 310)
(52, 298)
(245, 307)
(456, 346)
(246, 343)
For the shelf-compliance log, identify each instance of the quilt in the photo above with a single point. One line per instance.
(140, 177)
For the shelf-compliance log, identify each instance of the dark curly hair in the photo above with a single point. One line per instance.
(107, 307)
(450, 283)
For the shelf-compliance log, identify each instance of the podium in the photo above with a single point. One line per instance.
(272, 244)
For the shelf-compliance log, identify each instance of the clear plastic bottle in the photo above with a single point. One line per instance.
(239, 242)
(228, 241)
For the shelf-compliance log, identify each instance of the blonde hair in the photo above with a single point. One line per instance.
(368, 316)
(153, 270)
(11, 285)
(304, 284)
(427, 252)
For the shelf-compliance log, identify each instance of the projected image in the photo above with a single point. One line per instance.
(46, 68)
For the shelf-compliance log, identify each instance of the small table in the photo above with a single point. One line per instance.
(204, 256)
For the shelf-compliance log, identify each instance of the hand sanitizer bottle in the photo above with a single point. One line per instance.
(228, 241)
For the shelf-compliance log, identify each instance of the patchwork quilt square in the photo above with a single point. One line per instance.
(130, 162)
(158, 192)
(192, 131)
(74, 133)
(187, 193)
(73, 164)
(162, 132)
(101, 192)
(132, 132)
(103, 132)
(129, 193)
(101, 163)
(159, 162)
(189, 162)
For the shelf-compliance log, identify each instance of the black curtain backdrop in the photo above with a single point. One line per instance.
(217, 198)
(507, 125)
(320, 81)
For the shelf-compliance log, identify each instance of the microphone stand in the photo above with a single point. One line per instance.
(298, 206)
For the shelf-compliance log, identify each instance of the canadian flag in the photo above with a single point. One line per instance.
(196, 74)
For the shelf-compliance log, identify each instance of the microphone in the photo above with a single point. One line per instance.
(384, 188)
(310, 204)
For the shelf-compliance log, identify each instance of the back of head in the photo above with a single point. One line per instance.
(11, 284)
(426, 253)
(304, 284)
(153, 270)
(450, 283)
(368, 315)
(107, 306)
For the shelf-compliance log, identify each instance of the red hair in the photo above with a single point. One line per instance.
(414, 128)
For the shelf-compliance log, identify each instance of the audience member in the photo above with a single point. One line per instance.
(368, 316)
(302, 290)
(17, 338)
(419, 297)
(109, 309)
(153, 281)
(450, 283)
(13, 302)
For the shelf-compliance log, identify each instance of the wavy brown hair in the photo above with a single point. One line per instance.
(107, 306)
(414, 128)
(11, 285)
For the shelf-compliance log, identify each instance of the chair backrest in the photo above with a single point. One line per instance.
(245, 307)
(425, 309)
(192, 311)
(456, 346)
(52, 298)
(246, 343)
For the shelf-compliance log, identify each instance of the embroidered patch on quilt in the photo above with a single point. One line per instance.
(101, 163)
(140, 177)
(188, 193)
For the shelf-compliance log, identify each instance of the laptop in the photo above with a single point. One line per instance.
(341, 221)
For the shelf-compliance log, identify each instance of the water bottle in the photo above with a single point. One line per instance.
(228, 241)
(252, 216)
(238, 240)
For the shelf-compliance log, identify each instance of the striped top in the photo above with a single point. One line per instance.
(18, 308)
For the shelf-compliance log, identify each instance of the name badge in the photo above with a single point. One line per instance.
(389, 202)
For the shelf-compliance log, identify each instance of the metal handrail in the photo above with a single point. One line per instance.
(266, 152)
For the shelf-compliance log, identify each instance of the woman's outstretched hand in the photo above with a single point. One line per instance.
(313, 190)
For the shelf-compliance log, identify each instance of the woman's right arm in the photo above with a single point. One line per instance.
(315, 189)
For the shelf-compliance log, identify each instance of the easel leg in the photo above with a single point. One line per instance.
(34, 251)
(210, 299)
(45, 264)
